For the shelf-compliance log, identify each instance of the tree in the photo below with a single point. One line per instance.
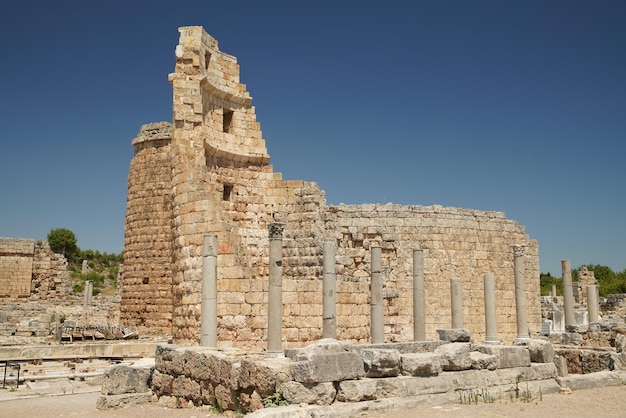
(63, 241)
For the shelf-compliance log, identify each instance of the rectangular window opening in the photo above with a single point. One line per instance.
(207, 59)
(227, 120)
(146, 280)
(228, 191)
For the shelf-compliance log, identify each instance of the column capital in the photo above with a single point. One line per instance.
(276, 230)
(518, 250)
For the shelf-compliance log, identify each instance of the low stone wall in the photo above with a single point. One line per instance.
(591, 348)
(330, 372)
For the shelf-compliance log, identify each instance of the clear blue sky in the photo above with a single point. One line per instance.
(517, 107)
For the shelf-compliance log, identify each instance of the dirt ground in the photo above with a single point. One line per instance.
(605, 402)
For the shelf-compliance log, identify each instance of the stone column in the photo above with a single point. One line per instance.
(521, 309)
(456, 302)
(554, 293)
(419, 300)
(592, 303)
(275, 295)
(491, 327)
(208, 308)
(329, 302)
(568, 293)
(87, 293)
(377, 320)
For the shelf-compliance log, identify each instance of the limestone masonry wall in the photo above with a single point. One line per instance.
(208, 173)
(28, 266)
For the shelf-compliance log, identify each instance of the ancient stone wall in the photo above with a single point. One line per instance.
(215, 177)
(31, 267)
(50, 275)
(16, 266)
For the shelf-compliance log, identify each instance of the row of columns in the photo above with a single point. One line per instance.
(593, 297)
(329, 319)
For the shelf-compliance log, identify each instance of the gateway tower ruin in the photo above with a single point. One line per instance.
(208, 172)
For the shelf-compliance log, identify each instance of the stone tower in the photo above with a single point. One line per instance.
(208, 173)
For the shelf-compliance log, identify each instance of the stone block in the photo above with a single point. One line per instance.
(577, 328)
(317, 394)
(265, 374)
(540, 351)
(508, 356)
(381, 362)
(455, 335)
(455, 356)
(561, 365)
(119, 379)
(357, 390)
(591, 380)
(327, 361)
(123, 400)
(540, 371)
(422, 364)
(482, 361)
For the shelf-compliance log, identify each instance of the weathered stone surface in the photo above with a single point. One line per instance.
(455, 356)
(357, 390)
(381, 362)
(582, 361)
(184, 387)
(566, 338)
(123, 400)
(403, 347)
(577, 328)
(483, 361)
(508, 356)
(119, 378)
(225, 397)
(265, 374)
(455, 335)
(540, 371)
(591, 380)
(162, 383)
(289, 411)
(540, 351)
(327, 361)
(561, 365)
(318, 394)
(422, 364)
(250, 402)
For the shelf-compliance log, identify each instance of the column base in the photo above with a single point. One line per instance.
(494, 341)
(521, 340)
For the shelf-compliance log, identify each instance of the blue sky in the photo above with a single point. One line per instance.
(517, 107)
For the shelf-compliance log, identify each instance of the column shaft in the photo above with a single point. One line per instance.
(491, 327)
(568, 293)
(208, 307)
(329, 305)
(275, 295)
(592, 303)
(377, 315)
(419, 300)
(520, 294)
(456, 302)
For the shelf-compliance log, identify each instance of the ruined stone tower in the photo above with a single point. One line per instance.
(208, 173)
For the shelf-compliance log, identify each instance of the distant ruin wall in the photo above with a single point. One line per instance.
(16, 266)
(31, 267)
(214, 177)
